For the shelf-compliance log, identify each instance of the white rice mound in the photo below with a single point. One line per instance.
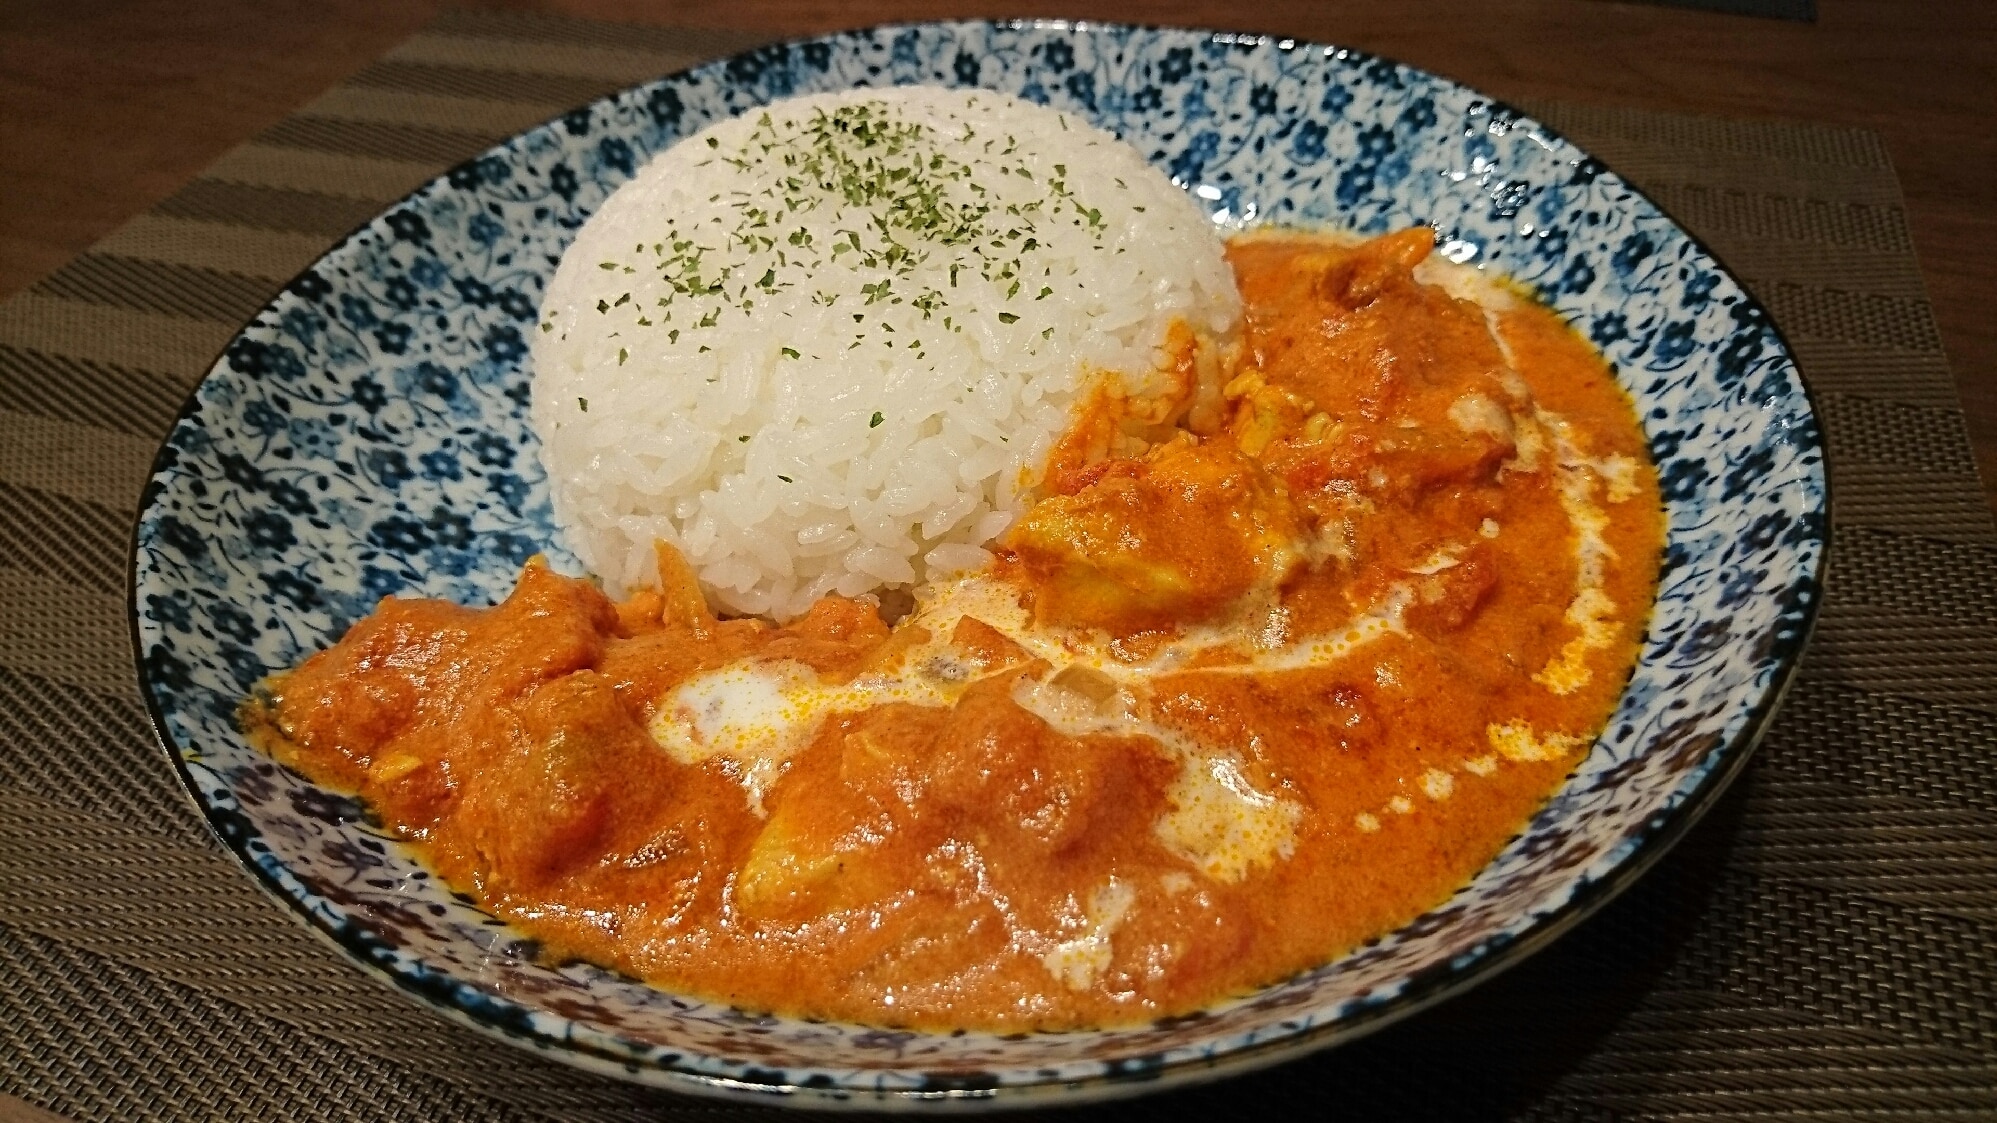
(800, 419)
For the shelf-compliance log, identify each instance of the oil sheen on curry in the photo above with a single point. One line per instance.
(1269, 666)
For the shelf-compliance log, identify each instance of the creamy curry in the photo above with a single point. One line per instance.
(1275, 662)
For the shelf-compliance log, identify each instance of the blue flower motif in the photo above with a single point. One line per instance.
(562, 180)
(515, 303)
(746, 67)
(1675, 342)
(393, 338)
(408, 226)
(399, 533)
(1706, 639)
(1608, 328)
(1419, 114)
(433, 379)
(503, 343)
(1745, 474)
(1058, 55)
(515, 548)
(259, 359)
(302, 593)
(1354, 184)
(965, 66)
(378, 582)
(1190, 163)
(168, 669)
(1664, 445)
(1375, 141)
(232, 621)
(1765, 532)
(356, 311)
(485, 229)
(368, 394)
(262, 417)
(237, 469)
(576, 121)
(429, 272)
(291, 498)
(400, 293)
(186, 439)
(326, 807)
(1262, 99)
(1082, 87)
(664, 104)
(388, 466)
(1193, 103)
(355, 858)
(1383, 72)
(1734, 359)
(311, 437)
(1632, 252)
(1579, 277)
(441, 464)
(1176, 65)
(1509, 198)
(1307, 143)
(1699, 289)
(309, 285)
(1741, 587)
(493, 450)
(511, 489)
(269, 531)
(448, 528)
(171, 610)
(303, 325)
(615, 154)
(1680, 480)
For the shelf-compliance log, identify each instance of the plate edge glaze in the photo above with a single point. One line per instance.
(1723, 762)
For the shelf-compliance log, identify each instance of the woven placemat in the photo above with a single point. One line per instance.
(1821, 944)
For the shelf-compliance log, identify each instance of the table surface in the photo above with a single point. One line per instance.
(108, 106)
(1822, 942)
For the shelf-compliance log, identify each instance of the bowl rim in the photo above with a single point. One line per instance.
(1424, 989)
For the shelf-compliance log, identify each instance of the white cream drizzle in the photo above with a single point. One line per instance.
(755, 715)
(1591, 612)
(1079, 961)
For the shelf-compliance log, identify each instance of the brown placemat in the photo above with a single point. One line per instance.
(1821, 945)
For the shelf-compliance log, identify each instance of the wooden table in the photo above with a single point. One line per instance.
(108, 106)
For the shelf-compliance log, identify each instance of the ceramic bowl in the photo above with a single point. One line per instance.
(367, 434)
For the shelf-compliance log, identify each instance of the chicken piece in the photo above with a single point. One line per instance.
(1178, 537)
(844, 801)
(985, 649)
(550, 799)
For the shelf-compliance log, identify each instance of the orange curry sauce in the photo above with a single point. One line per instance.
(1266, 679)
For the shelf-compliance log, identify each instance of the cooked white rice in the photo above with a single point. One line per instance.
(715, 370)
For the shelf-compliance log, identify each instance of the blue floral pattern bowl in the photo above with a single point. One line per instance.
(367, 434)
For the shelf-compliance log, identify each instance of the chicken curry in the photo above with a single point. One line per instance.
(1270, 666)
